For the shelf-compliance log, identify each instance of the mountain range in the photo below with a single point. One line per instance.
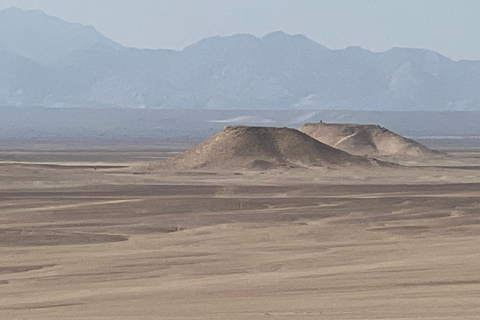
(48, 62)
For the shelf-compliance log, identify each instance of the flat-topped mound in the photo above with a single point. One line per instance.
(263, 148)
(365, 139)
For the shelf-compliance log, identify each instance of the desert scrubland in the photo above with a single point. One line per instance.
(110, 233)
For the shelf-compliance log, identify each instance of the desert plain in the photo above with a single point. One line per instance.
(98, 232)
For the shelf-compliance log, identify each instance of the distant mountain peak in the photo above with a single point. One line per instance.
(301, 42)
(277, 34)
(11, 10)
(15, 13)
(281, 35)
(40, 37)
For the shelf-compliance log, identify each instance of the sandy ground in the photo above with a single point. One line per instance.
(101, 236)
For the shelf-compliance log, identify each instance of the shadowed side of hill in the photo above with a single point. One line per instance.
(246, 147)
(369, 140)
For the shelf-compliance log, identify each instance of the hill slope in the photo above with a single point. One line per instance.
(370, 140)
(263, 148)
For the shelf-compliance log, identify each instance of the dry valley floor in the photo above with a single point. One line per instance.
(104, 235)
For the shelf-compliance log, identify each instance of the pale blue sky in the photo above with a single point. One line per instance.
(451, 27)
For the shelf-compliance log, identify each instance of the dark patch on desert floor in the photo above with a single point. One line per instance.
(288, 244)
(17, 269)
(44, 306)
(10, 237)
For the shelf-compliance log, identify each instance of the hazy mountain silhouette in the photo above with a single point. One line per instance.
(49, 62)
(43, 38)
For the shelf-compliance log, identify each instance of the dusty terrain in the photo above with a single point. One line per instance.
(93, 233)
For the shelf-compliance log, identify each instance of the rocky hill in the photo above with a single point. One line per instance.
(237, 147)
(369, 140)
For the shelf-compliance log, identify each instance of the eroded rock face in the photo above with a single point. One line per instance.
(369, 140)
(264, 148)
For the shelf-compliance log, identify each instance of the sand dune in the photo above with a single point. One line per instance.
(370, 140)
(264, 148)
